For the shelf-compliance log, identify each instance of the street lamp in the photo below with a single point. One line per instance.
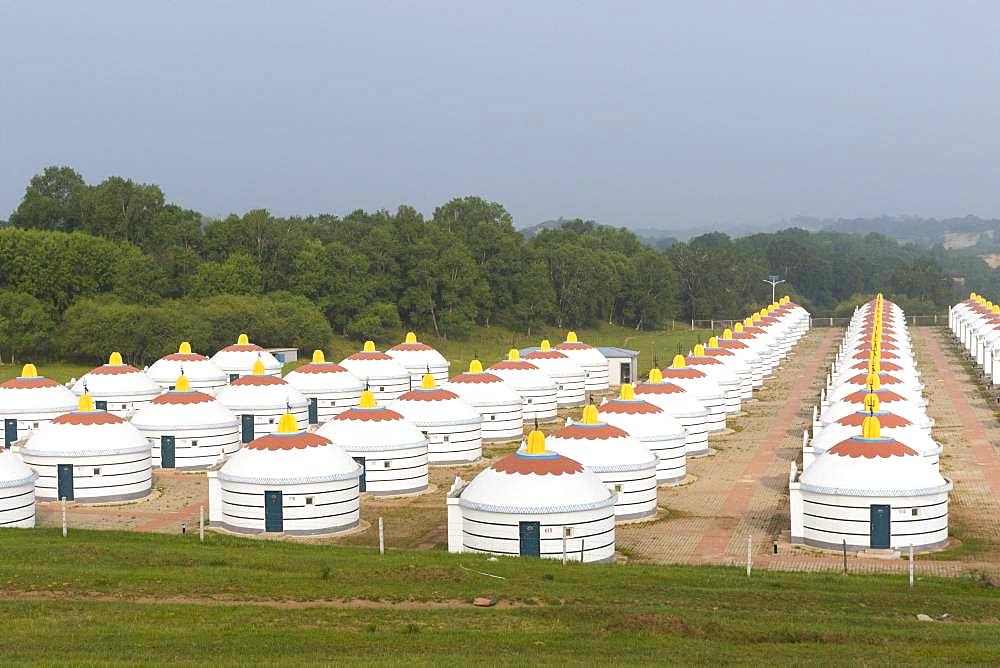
(772, 280)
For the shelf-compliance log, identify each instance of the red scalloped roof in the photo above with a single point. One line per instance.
(437, 394)
(363, 356)
(870, 449)
(108, 370)
(411, 346)
(184, 357)
(658, 388)
(885, 346)
(706, 360)
(719, 352)
(732, 344)
(867, 353)
(88, 419)
(544, 355)
(243, 348)
(256, 380)
(476, 378)
(369, 415)
(182, 398)
(743, 336)
(624, 407)
(884, 379)
(325, 367)
(883, 396)
(513, 365)
(522, 464)
(591, 432)
(298, 441)
(885, 366)
(753, 329)
(671, 372)
(886, 419)
(28, 383)
(570, 345)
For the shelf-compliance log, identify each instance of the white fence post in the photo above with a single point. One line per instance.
(381, 537)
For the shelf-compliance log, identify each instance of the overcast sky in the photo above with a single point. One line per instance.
(666, 114)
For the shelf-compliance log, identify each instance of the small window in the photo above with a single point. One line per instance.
(559, 388)
(97, 470)
(619, 488)
(309, 500)
(493, 417)
(34, 425)
(567, 531)
(194, 443)
(529, 400)
(124, 407)
(381, 388)
(914, 511)
(333, 403)
(385, 464)
(446, 439)
(270, 420)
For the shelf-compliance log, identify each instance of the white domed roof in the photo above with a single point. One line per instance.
(416, 356)
(240, 357)
(580, 352)
(481, 388)
(600, 446)
(198, 368)
(84, 433)
(371, 428)
(554, 363)
(693, 380)
(893, 426)
(13, 471)
(640, 419)
(371, 365)
(116, 379)
(671, 398)
(258, 392)
(714, 367)
(892, 403)
(522, 376)
(183, 409)
(31, 392)
(322, 376)
(430, 405)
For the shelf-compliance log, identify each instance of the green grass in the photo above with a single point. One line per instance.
(133, 597)
(57, 371)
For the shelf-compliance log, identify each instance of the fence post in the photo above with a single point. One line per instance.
(381, 537)
(692, 325)
(749, 553)
(564, 546)
(64, 516)
(845, 556)
(582, 542)
(911, 564)
(201, 523)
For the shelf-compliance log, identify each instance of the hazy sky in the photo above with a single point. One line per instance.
(664, 114)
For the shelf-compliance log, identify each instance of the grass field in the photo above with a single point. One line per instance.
(133, 597)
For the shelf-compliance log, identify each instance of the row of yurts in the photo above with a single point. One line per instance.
(92, 454)
(870, 477)
(975, 322)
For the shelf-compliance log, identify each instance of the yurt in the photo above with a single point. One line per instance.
(419, 358)
(623, 464)
(537, 390)
(888, 400)
(202, 373)
(703, 388)
(741, 350)
(383, 375)
(17, 492)
(533, 503)
(292, 481)
(681, 405)
(453, 427)
(740, 367)
(499, 405)
(391, 450)
(869, 492)
(90, 456)
(570, 379)
(767, 353)
(329, 388)
(188, 429)
(259, 401)
(725, 377)
(116, 387)
(239, 359)
(29, 401)
(860, 384)
(588, 358)
(654, 428)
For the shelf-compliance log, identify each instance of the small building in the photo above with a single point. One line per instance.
(383, 375)
(90, 456)
(29, 401)
(330, 388)
(682, 406)
(391, 450)
(419, 358)
(239, 359)
(188, 429)
(570, 378)
(201, 372)
(17, 492)
(453, 428)
(284, 355)
(533, 503)
(292, 481)
(259, 400)
(537, 390)
(653, 427)
(594, 364)
(499, 405)
(116, 387)
(623, 365)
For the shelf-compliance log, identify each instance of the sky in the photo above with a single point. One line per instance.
(643, 114)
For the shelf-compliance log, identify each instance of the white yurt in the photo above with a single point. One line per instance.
(623, 464)
(419, 358)
(743, 352)
(887, 399)
(117, 387)
(767, 353)
(383, 375)
(29, 401)
(330, 388)
(654, 428)
(735, 363)
(706, 390)
(89, 456)
(725, 377)
(259, 401)
(497, 402)
(537, 390)
(17, 492)
(188, 429)
(681, 405)
(590, 359)
(239, 359)
(533, 503)
(292, 481)
(569, 377)
(201, 372)
(391, 450)
(453, 427)
(870, 492)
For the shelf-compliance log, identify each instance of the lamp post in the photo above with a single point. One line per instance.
(772, 280)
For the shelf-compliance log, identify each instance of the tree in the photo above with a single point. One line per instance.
(26, 324)
(239, 274)
(51, 201)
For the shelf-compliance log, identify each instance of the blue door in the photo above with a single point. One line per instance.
(247, 428)
(313, 410)
(167, 448)
(274, 519)
(9, 431)
(101, 405)
(362, 483)
(880, 530)
(65, 481)
(531, 541)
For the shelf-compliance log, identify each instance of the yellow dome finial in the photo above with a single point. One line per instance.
(115, 359)
(86, 404)
(871, 402)
(319, 357)
(427, 382)
(738, 327)
(571, 337)
(242, 340)
(655, 375)
(536, 443)
(513, 355)
(367, 399)
(410, 337)
(874, 366)
(727, 333)
(747, 322)
(184, 348)
(287, 424)
(182, 384)
(258, 368)
(713, 342)
(589, 414)
(369, 347)
(872, 382)
(29, 371)
(755, 317)
(627, 392)
(871, 428)
(699, 350)
(679, 362)
(545, 345)
(972, 295)
(475, 366)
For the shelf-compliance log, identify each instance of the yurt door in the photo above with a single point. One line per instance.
(167, 451)
(626, 372)
(362, 482)
(9, 432)
(234, 376)
(247, 428)
(101, 405)
(65, 481)
(274, 520)
(313, 410)
(880, 532)
(531, 545)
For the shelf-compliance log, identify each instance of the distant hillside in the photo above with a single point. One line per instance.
(976, 234)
